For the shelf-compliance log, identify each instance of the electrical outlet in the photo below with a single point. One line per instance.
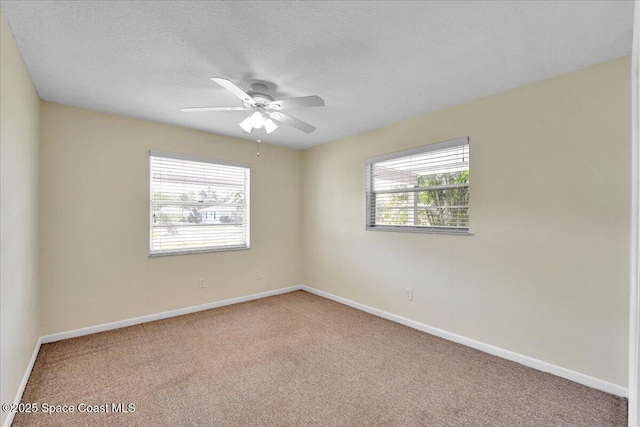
(408, 294)
(258, 274)
(202, 283)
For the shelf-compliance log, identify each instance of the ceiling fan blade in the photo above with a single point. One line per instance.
(292, 121)
(196, 109)
(231, 87)
(305, 101)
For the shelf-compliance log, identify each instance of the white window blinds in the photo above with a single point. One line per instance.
(422, 189)
(197, 204)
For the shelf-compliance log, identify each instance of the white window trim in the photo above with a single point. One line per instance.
(404, 153)
(188, 157)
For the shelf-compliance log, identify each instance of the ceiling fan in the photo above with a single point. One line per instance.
(264, 108)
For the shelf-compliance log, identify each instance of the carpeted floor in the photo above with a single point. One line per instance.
(299, 359)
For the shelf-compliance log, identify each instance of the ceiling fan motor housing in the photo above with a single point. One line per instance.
(260, 95)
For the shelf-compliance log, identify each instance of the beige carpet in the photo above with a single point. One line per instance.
(298, 359)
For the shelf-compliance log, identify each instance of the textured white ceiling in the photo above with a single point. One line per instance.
(374, 63)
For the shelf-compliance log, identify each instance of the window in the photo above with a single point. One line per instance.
(424, 189)
(197, 204)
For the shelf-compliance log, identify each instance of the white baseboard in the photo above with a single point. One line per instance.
(487, 348)
(23, 383)
(164, 315)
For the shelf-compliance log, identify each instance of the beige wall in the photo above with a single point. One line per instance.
(545, 273)
(19, 290)
(95, 221)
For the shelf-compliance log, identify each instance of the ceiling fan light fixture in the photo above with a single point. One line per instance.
(247, 125)
(257, 121)
(270, 126)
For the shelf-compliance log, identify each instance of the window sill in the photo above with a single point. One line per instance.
(198, 251)
(419, 230)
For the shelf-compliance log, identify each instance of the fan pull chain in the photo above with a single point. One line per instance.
(258, 154)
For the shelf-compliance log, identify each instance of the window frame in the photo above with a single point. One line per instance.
(370, 192)
(193, 158)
